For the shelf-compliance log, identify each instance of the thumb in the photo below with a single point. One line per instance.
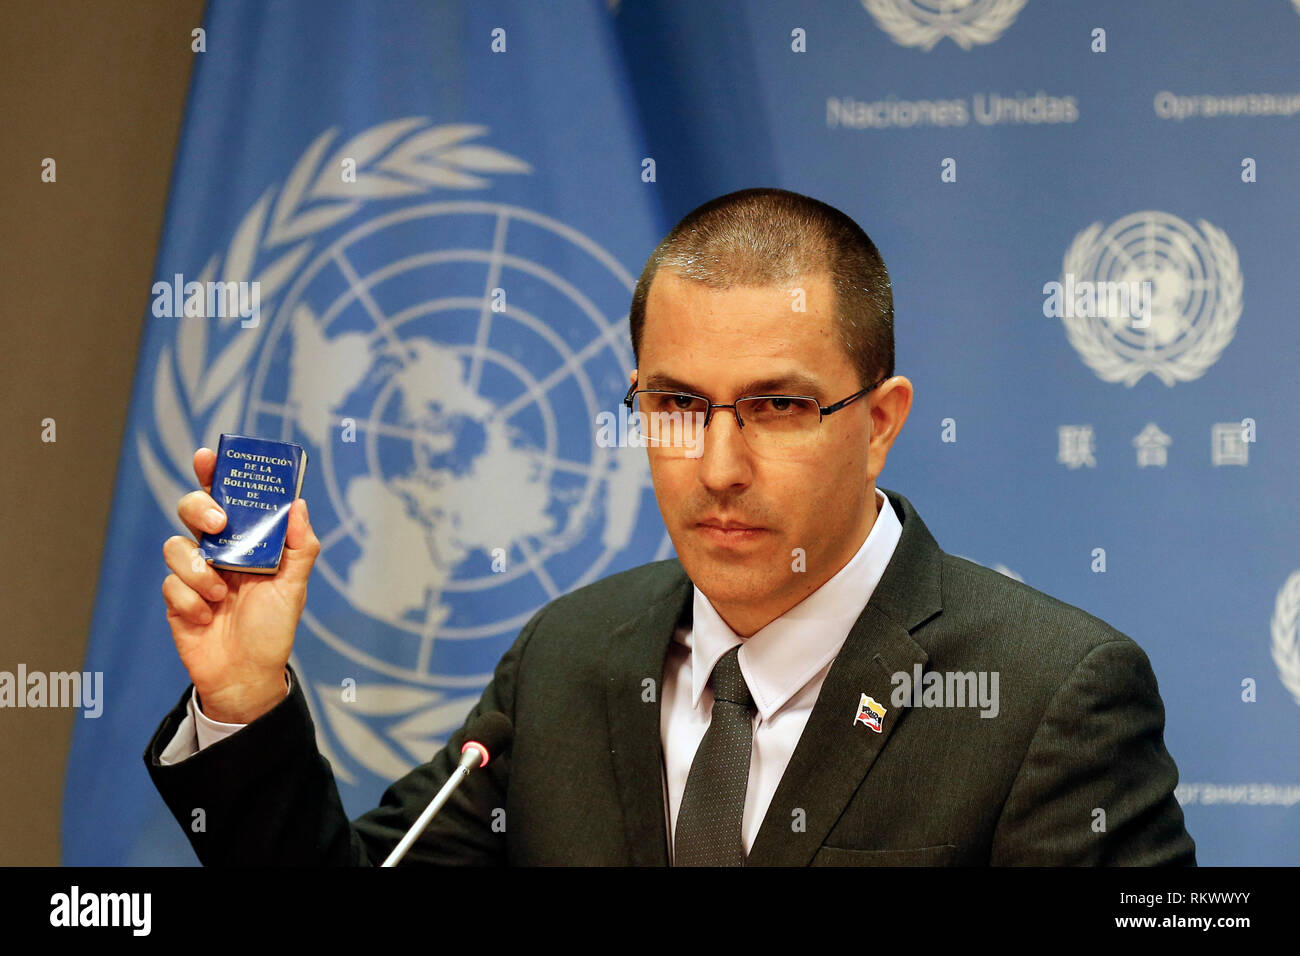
(300, 545)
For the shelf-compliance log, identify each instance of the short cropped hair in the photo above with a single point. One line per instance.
(763, 237)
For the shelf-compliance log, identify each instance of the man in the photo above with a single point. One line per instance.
(748, 701)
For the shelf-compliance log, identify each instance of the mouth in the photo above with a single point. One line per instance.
(728, 532)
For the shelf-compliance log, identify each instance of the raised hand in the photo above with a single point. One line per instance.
(233, 630)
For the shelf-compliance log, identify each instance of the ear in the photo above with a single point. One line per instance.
(889, 411)
(631, 377)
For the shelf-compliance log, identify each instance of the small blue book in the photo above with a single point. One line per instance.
(255, 483)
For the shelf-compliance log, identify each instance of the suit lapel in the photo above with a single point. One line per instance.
(834, 752)
(637, 651)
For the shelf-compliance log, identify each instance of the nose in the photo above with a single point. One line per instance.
(726, 460)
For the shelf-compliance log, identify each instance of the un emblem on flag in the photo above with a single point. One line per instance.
(445, 364)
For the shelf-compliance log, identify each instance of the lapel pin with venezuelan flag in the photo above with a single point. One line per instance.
(871, 713)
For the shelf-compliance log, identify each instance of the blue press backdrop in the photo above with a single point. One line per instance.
(987, 147)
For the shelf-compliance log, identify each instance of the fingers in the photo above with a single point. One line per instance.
(192, 573)
(200, 513)
(299, 529)
(205, 463)
(184, 603)
(301, 546)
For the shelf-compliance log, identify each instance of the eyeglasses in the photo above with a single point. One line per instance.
(673, 423)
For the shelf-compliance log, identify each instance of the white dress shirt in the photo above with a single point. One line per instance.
(198, 730)
(784, 665)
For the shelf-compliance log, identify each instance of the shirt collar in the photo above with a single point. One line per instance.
(780, 659)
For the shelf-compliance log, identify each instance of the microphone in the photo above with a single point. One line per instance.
(487, 737)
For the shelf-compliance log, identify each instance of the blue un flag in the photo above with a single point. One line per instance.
(438, 314)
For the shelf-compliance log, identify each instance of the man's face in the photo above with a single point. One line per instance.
(818, 503)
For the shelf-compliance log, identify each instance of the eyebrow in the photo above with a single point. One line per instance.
(793, 383)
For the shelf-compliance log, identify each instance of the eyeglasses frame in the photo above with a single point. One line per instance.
(823, 410)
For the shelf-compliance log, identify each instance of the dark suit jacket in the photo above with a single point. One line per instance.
(1072, 770)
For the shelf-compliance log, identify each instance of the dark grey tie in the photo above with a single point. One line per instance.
(713, 805)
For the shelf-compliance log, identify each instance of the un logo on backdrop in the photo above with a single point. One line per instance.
(1286, 633)
(923, 23)
(1195, 297)
(444, 363)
